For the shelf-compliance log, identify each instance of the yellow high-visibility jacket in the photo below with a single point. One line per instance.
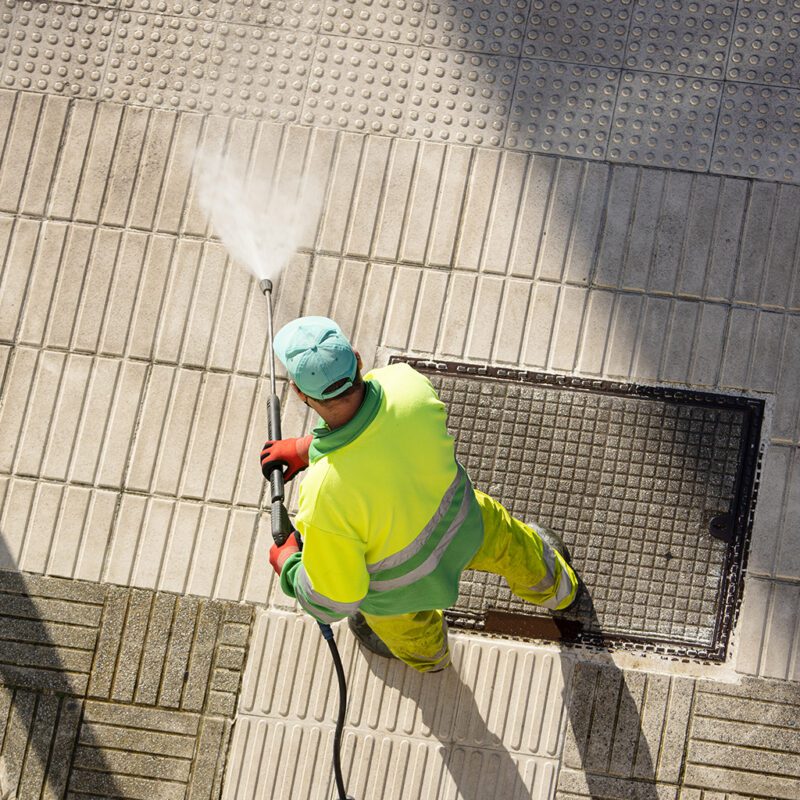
(388, 517)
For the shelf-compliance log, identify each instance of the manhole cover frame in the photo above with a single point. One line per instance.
(745, 494)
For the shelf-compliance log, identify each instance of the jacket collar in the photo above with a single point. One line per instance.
(325, 440)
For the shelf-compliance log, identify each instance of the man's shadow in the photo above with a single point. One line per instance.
(41, 707)
(605, 743)
(604, 740)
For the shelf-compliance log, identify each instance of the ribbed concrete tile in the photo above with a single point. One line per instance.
(763, 49)
(665, 121)
(562, 108)
(495, 28)
(461, 97)
(22, 241)
(425, 331)
(477, 208)
(19, 142)
(47, 726)
(590, 33)
(388, 697)
(142, 67)
(77, 41)
(729, 723)
(769, 637)
(757, 133)
(49, 628)
(624, 727)
(573, 785)
(691, 40)
(359, 85)
(262, 73)
(397, 21)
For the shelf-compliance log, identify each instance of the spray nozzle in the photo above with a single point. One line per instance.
(265, 285)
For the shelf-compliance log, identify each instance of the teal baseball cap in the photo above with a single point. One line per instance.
(316, 354)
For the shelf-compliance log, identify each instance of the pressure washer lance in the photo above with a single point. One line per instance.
(282, 529)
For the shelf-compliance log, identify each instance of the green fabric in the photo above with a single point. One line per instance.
(384, 485)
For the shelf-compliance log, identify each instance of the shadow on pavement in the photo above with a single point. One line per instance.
(40, 705)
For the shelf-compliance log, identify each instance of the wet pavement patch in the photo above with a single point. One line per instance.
(651, 488)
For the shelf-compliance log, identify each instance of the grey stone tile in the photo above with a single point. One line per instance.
(590, 32)
(209, 764)
(691, 40)
(461, 97)
(665, 121)
(757, 136)
(397, 21)
(562, 108)
(764, 48)
(489, 27)
(287, 14)
(58, 48)
(359, 85)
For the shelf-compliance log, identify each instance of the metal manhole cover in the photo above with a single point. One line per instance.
(650, 487)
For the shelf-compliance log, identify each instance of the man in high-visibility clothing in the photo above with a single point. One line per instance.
(388, 517)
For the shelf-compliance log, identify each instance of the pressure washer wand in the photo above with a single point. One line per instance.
(282, 529)
(281, 525)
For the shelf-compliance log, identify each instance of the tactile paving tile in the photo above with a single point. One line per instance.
(496, 27)
(359, 85)
(630, 479)
(758, 135)
(288, 14)
(590, 32)
(461, 97)
(160, 61)
(562, 108)
(684, 39)
(665, 121)
(55, 47)
(764, 47)
(384, 20)
(258, 72)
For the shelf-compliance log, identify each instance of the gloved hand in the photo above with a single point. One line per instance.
(278, 555)
(291, 453)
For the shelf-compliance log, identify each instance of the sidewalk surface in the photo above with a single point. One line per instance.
(595, 189)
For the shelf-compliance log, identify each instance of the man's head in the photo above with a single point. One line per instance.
(320, 360)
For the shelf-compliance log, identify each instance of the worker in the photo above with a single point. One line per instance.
(388, 518)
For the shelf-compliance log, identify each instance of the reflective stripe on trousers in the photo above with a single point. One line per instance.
(510, 548)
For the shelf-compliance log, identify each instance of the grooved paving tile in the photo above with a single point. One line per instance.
(397, 21)
(461, 97)
(562, 108)
(744, 739)
(493, 27)
(57, 48)
(624, 727)
(45, 725)
(764, 46)
(769, 643)
(257, 72)
(669, 36)
(360, 85)
(757, 136)
(590, 32)
(665, 121)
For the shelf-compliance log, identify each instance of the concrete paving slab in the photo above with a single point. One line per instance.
(385, 20)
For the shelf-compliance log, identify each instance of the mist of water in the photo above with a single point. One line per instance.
(261, 223)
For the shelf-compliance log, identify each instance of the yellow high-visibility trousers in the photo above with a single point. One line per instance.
(534, 571)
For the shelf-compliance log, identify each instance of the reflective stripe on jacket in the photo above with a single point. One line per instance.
(388, 517)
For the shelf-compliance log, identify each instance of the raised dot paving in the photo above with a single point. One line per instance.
(633, 479)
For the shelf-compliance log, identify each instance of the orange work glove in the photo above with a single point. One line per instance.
(278, 555)
(289, 453)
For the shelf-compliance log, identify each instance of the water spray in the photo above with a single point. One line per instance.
(282, 529)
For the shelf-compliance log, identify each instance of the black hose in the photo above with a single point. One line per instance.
(327, 634)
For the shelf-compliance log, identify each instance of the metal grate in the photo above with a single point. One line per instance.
(650, 487)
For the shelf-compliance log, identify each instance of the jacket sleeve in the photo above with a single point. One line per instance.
(329, 578)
